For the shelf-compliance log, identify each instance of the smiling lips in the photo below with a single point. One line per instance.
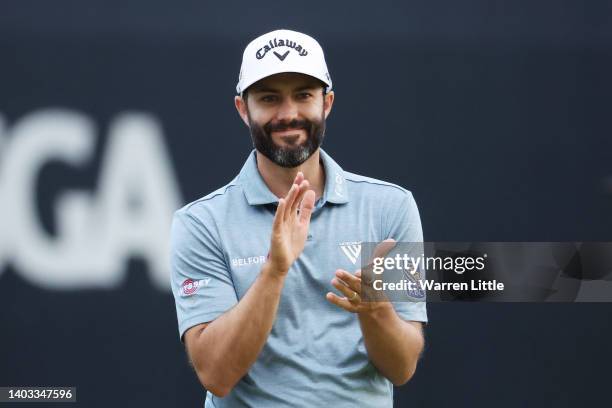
(288, 132)
(289, 136)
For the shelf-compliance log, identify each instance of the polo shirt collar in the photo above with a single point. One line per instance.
(257, 192)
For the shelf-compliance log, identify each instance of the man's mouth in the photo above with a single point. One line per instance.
(287, 132)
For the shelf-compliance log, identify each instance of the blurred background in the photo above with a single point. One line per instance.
(495, 114)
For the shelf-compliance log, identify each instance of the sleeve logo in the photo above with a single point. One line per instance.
(190, 286)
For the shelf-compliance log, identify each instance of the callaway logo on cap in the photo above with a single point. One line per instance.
(282, 51)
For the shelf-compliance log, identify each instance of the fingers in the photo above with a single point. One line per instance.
(348, 291)
(351, 280)
(304, 185)
(299, 178)
(299, 196)
(367, 279)
(290, 198)
(279, 215)
(306, 206)
(384, 248)
(381, 251)
(340, 302)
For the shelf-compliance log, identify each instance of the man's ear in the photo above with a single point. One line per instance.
(241, 107)
(328, 101)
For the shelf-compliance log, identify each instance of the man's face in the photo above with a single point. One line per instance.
(286, 116)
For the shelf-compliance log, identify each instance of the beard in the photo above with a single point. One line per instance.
(291, 156)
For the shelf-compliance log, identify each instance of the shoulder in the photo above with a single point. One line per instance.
(389, 200)
(377, 189)
(210, 205)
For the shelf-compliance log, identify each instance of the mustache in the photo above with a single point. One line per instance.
(294, 124)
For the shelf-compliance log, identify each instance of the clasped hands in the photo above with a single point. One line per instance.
(289, 233)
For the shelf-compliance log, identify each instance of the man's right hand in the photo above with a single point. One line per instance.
(223, 350)
(290, 226)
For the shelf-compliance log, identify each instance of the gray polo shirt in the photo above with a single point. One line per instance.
(315, 354)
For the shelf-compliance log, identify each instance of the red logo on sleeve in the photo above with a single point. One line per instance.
(190, 287)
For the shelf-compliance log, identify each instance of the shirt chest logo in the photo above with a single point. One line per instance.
(352, 250)
(250, 260)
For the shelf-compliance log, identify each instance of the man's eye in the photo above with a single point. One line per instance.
(304, 95)
(269, 98)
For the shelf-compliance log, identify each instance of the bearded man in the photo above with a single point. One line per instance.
(255, 264)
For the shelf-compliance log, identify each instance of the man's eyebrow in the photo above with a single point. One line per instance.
(307, 87)
(265, 89)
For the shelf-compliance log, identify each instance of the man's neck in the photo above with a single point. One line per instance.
(279, 179)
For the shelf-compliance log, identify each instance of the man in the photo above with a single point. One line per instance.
(256, 263)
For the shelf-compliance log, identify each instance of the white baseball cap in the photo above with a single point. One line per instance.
(282, 51)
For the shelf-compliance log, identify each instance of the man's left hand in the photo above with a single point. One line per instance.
(350, 286)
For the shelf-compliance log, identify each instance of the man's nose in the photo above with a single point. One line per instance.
(287, 111)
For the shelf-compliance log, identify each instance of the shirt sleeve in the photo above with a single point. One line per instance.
(405, 227)
(201, 281)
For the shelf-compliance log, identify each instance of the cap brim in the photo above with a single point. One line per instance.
(295, 70)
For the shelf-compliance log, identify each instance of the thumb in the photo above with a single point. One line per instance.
(382, 249)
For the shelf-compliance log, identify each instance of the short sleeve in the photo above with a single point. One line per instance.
(404, 225)
(201, 282)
